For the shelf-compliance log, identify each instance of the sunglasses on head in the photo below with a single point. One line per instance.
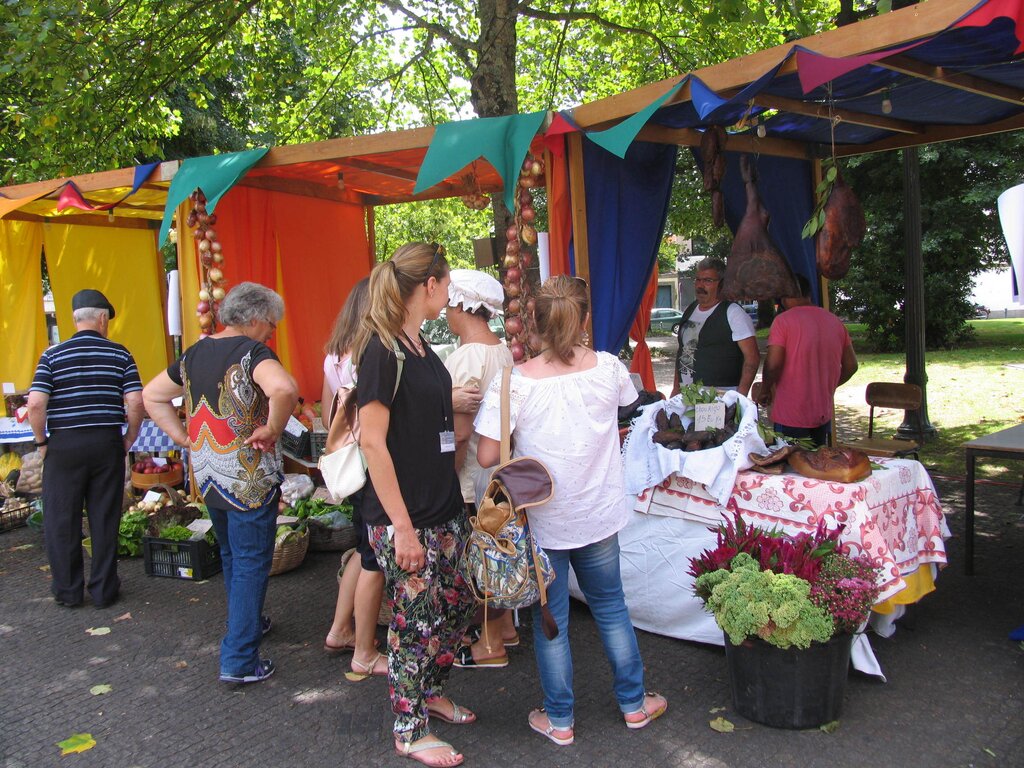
(438, 253)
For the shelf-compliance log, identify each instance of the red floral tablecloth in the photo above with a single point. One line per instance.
(894, 516)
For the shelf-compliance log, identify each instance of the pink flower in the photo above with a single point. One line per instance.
(446, 659)
(404, 705)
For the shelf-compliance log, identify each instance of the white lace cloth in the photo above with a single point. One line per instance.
(648, 464)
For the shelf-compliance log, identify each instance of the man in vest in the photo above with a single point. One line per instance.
(716, 338)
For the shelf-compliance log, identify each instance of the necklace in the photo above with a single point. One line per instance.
(416, 345)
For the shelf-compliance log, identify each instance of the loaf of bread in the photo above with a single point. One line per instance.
(841, 465)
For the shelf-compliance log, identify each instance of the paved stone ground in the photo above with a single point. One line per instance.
(953, 696)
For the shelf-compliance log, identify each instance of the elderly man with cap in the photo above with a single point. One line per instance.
(81, 392)
(473, 299)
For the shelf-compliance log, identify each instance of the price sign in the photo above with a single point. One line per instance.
(709, 416)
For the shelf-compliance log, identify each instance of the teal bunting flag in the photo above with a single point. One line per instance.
(502, 141)
(618, 138)
(214, 174)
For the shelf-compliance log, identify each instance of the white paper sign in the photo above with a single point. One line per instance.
(8, 388)
(709, 416)
(200, 526)
(286, 519)
(152, 496)
(159, 461)
(294, 427)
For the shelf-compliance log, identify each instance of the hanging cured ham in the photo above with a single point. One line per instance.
(757, 269)
(712, 155)
(842, 231)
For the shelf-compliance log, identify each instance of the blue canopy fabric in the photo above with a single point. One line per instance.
(627, 204)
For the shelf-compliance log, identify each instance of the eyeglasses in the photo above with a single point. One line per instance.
(707, 280)
(438, 253)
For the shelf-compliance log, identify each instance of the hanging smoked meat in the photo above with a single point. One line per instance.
(712, 155)
(757, 269)
(842, 231)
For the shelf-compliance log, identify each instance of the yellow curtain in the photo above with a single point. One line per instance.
(22, 322)
(124, 264)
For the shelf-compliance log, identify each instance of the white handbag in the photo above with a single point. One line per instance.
(343, 465)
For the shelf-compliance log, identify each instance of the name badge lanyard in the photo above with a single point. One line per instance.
(447, 435)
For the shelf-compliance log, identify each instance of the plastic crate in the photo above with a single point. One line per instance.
(14, 513)
(193, 560)
(296, 446)
(317, 444)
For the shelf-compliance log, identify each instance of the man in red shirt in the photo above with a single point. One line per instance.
(809, 355)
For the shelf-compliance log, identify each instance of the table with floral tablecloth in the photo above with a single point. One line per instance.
(894, 516)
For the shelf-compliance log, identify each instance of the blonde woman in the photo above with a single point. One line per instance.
(564, 411)
(412, 501)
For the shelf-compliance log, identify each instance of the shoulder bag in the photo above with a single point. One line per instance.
(343, 465)
(503, 564)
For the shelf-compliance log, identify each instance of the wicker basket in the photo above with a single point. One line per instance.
(385, 614)
(290, 554)
(14, 513)
(324, 539)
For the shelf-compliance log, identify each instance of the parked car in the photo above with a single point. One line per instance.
(751, 310)
(665, 319)
(981, 312)
(444, 342)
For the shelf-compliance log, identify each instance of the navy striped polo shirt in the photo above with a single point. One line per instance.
(86, 378)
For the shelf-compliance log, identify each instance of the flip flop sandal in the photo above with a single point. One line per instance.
(464, 660)
(474, 636)
(368, 670)
(459, 715)
(410, 749)
(648, 716)
(549, 729)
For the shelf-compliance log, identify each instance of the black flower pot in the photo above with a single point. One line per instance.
(791, 687)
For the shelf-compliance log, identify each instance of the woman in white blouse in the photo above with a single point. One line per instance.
(564, 411)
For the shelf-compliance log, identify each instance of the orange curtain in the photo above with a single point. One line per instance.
(324, 251)
(559, 212)
(642, 363)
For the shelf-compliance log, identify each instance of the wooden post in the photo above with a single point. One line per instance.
(578, 194)
(914, 423)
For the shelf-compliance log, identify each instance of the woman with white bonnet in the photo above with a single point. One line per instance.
(473, 299)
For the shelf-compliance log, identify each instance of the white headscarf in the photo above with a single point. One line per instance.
(472, 290)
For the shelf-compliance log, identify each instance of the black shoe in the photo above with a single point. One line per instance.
(65, 604)
(264, 669)
(107, 603)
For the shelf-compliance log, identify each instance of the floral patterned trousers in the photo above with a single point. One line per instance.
(432, 609)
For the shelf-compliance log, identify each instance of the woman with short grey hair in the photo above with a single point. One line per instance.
(250, 302)
(238, 398)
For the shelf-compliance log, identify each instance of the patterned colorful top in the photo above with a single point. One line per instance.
(224, 407)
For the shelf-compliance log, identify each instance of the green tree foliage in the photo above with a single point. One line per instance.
(961, 235)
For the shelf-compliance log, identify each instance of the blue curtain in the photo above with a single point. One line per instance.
(627, 202)
(784, 185)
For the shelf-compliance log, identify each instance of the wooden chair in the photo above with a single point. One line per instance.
(883, 394)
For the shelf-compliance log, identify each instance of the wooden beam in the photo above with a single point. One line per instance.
(379, 168)
(957, 80)
(688, 137)
(872, 34)
(89, 182)
(581, 243)
(823, 112)
(86, 219)
(351, 146)
(934, 135)
(301, 188)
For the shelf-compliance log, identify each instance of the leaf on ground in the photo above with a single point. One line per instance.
(99, 690)
(94, 631)
(989, 752)
(79, 742)
(713, 710)
(830, 727)
(193, 599)
(181, 664)
(44, 568)
(123, 617)
(21, 547)
(722, 725)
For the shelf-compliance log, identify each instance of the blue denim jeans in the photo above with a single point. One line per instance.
(597, 570)
(246, 550)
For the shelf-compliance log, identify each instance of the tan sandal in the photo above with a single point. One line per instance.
(411, 749)
(549, 730)
(658, 704)
(365, 671)
(459, 716)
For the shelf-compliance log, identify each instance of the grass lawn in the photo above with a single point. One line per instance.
(971, 391)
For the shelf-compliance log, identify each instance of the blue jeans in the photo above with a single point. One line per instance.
(597, 570)
(246, 550)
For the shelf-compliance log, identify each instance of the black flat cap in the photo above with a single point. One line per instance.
(90, 298)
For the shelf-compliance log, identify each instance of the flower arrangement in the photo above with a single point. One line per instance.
(787, 590)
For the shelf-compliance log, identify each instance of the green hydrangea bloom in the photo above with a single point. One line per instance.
(748, 602)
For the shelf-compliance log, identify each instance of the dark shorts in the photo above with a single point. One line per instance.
(366, 555)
